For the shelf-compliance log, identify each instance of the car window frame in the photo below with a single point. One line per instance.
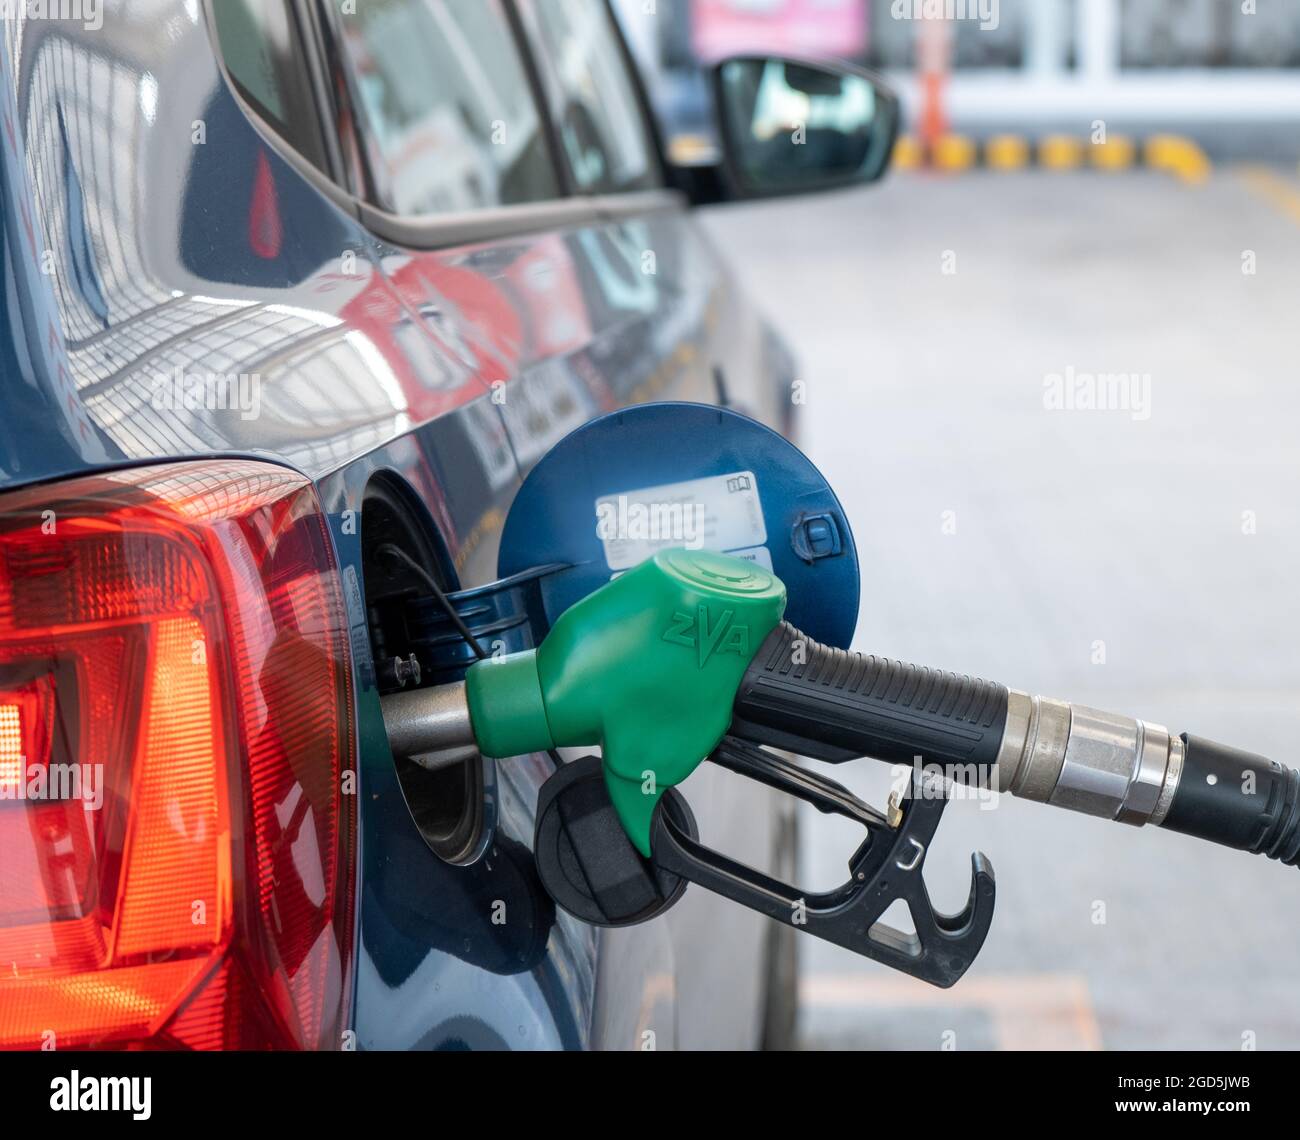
(448, 230)
(550, 83)
(303, 37)
(357, 115)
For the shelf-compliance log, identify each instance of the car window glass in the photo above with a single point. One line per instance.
(449, 121)
(262, 52)
(595, 106)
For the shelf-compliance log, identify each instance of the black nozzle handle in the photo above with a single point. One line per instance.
(837, 705)
(1237, 799)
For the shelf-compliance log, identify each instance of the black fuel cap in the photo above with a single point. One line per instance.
(586, 861)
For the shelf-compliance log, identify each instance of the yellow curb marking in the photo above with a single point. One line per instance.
(953, 152)
(1060, 152)
(1172, 154)
(1116, 153)
(1179, 156)
(908, 154)
(1006, 152)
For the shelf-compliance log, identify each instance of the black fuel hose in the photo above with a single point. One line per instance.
(1238, 799)
(838, 705)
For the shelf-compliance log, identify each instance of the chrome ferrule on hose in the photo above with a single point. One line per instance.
(1089, 761)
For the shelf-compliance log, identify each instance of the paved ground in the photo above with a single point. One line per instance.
(1072, 528)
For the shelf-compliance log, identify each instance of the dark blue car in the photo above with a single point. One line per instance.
(286, 281)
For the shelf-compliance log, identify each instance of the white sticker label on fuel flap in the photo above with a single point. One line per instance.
(758, 554)
(722, 513)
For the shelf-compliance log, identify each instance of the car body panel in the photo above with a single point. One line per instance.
(138, 257)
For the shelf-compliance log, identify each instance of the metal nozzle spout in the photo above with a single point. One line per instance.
(430, 726)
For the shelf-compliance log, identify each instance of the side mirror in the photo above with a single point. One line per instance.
(790, 126)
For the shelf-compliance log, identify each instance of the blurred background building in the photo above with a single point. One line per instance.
(1226, 72)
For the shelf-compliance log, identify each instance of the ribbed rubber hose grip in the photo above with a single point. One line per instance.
(835, 705)
(1238, 799)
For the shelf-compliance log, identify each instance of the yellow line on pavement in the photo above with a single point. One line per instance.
(1267, 184)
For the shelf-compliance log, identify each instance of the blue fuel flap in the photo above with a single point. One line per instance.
(621, 487)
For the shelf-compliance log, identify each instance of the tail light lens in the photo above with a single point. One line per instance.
(176, 743)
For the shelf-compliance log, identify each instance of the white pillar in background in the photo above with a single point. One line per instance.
(1046, 38)
(1097, 34)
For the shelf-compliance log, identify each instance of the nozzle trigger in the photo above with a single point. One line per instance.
(886, 867)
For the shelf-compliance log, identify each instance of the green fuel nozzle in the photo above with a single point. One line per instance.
(686, 658)
(647, 668)
(662, 664)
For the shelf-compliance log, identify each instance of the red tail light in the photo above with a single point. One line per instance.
(176, 742)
